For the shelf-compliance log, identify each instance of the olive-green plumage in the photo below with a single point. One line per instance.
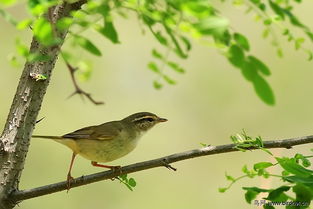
(108, 141)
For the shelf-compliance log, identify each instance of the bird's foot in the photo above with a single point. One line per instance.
(69, 180)
(113, 168)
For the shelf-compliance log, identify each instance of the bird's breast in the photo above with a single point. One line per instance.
(108, 150)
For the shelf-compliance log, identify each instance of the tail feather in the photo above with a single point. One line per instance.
(47, 137)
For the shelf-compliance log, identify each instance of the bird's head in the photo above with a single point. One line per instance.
(144, 121)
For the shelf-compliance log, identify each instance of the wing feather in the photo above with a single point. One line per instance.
(105, 131)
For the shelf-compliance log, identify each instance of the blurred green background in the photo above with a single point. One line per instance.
(210, 102)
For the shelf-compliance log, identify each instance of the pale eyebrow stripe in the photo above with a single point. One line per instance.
(144, 117)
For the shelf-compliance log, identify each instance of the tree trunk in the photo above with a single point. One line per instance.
(14, 141)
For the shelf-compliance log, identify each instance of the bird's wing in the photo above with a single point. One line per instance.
(104, 131)
(82, 133)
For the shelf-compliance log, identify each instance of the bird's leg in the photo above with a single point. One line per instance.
(69, 176)
(105, 166)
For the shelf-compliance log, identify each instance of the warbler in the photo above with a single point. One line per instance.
(108, 141)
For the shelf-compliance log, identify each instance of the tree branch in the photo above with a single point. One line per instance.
(159, 162)
(79, 90)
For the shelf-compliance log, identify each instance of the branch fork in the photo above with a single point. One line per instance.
(79, 90)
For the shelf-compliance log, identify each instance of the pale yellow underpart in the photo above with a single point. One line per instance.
(101, 150)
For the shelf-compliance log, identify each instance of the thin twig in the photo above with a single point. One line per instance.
(159, 162)
(38, 121)
(78, 90)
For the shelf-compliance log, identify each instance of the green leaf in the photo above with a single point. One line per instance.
(267, 22)
(39, 7)
(222, 189)
(309, 34)
(224, 39)
(148, 20)
(123, 177)
(304, 160)
(103, 9)
(252, 192)
(256, 2)
(292, 167)
(198, 9)
(204, 144)
(153, 66)
(256, 189)
(229, 178)
(285, 173)
(245, 169)
(263, 90)
(158, 35)
(213, 25)
(157, 85)
(298, 43)
(303, 194)
(262, 6)
(186, 42)
(87, 45)
(169, 80)
(43, 32)
(242, 41)
(132, 182)
(129, 183)
(250, 195)
(299, 179)
(278, 194)
(262, 165)
(175, 67)
(178, 50)
(259, 65)
(109, 31)
(248, 70)
(24, 24)
(157, 54)
(33, 3)
(64, 23)
(236, 56)
(268, 207)
(277, 9)
(293, 19)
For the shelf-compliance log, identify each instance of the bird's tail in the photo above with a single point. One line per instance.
(47, 137)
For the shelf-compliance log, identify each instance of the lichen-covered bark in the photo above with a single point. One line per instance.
(14, 141)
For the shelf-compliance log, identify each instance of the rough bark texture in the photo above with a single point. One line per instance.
(14, 141)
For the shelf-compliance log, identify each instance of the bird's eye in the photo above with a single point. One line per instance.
(150, 119)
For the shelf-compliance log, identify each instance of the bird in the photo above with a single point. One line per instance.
(108, 141)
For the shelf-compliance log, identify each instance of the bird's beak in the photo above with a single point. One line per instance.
(162, 120)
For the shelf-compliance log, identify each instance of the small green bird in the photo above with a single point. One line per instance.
(108, 141)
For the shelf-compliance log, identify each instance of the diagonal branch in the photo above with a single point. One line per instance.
(159, 162)
(79, 90)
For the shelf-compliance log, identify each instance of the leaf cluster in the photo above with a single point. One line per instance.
(130, 183)
(175, 25)
(296, 190)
